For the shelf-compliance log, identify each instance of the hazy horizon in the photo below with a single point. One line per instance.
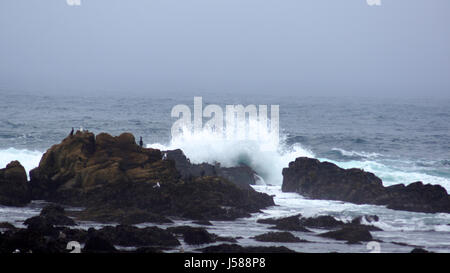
(154, 47)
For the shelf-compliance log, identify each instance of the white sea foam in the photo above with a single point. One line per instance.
(361, 154)
(391, 175)
(267, 156)
(28, 159)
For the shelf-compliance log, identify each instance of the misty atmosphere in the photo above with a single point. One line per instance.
(355, 157)
(306, 47)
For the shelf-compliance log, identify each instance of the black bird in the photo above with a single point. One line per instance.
(71, 132)
(141, 143)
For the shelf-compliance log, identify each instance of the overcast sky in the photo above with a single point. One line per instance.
(282, 46)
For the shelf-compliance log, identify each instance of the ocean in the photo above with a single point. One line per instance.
(400, 140)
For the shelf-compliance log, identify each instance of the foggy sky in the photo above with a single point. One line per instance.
(282, 46)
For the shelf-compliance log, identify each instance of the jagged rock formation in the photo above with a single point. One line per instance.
(324, 180)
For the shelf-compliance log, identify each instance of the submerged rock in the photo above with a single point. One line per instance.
(116, 174)
(14, 189)
(234, 248)
(194, 236)
(352, 235)
(279, 237)
(324, 180)
(291, 223)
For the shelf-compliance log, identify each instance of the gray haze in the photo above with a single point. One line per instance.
(319, 47)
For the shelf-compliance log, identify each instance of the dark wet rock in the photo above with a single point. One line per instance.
(242, 176)
(280, 237)
(115, 173)
(194, 235)
(29, 241)
(324, 180)
(350, 234)
(14, 190)
(56, 215)
(6, 225)
(41, 225)
(323, 221)
(234, 248)
(291, 223)
(420, 250)
(418, 197)
(68, 234)
(145, 250)
(125, 216)
(203, 223)
(98, 244)
(125, 235)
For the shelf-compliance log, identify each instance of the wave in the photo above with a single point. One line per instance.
(354, 154)
(28, 159)
(391, 175)
(266, 156)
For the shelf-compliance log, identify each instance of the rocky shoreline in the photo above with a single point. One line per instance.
(121, 184)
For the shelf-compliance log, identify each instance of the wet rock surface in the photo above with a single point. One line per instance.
(14, 190)
(118, 181)
(324, 180)
(279, 237)
(234, 248)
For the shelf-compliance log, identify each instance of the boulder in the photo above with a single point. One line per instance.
(324, 180)
(279, 237)
(291, 223)
(56, 215)
(14, 189)
(135, 184)
(194, 236)
(98, 244)
(350, 234)
(323, 221)
(125, 235)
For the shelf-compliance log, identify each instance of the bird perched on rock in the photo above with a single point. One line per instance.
(71, 132)
(141, 143)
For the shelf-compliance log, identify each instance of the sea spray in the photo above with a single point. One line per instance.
(28, 159)
(267, 157)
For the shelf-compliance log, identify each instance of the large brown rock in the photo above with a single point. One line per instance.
(14, 189)
(106, 173)
(324, 180)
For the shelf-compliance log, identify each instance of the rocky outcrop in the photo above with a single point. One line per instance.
(113, 177)
(324, 180)
(242, 176)
(125, 235)
(291, 223)
(278, 237)
(352, 235)
(14, 189)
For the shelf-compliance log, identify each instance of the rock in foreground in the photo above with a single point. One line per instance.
(324, 180)
(109, 172)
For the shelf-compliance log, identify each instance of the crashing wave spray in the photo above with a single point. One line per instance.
(264, 151)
